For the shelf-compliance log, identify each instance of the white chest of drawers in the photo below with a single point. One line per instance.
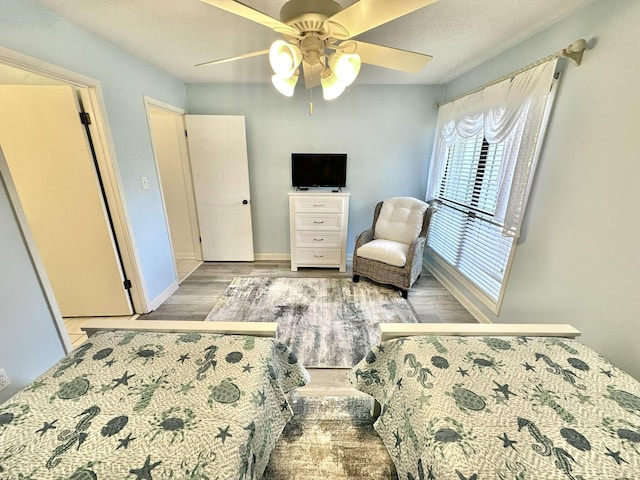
(318, 225)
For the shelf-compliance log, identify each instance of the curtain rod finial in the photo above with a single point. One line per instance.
(575, 51)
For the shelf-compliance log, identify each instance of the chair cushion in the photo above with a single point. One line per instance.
(400, 219)
(385, 251)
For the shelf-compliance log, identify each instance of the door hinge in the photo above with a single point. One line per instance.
(127, 284)
(186, 134)
(85, 118)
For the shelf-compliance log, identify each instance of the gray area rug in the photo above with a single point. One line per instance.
(327, 322)
(330, 438)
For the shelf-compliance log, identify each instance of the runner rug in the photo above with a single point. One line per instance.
(327, 322)
(330, 438)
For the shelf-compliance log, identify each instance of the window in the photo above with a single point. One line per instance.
(485, 154)
(462, 232)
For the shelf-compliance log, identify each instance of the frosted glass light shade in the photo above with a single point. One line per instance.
(284, 58)
(345, 66)
(332, 87)
(286, 86)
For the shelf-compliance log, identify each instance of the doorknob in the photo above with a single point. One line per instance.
(244, 202)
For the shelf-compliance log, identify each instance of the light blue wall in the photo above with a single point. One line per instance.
(29, 342)
(32, 30)
(577, 261)
(386, 131)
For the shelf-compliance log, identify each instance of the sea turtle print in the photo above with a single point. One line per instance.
(466, 399)
(225, 392)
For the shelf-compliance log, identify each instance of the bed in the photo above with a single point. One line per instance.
(475, 402)
(184, 400)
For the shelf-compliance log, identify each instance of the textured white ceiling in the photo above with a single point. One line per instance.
(174, 35)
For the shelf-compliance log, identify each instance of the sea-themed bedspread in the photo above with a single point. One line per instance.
(129, 405)
(517, 408)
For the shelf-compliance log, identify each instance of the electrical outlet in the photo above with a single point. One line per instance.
(4, 379)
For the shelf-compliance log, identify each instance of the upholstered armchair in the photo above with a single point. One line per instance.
(390, 252)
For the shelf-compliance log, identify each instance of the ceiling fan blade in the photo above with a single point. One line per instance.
(367, 14)
(254, 15)
(387, 57)
(231, 59)
(311, 74)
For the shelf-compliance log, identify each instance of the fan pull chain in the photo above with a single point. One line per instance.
(311, 101)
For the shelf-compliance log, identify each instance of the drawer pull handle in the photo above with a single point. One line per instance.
(318, 239)
(318, 256)
(318, 204)
(318, 223)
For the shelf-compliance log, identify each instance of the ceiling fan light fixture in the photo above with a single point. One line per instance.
(332, 87)
(345, 66)
(286, 86)
(284, 58)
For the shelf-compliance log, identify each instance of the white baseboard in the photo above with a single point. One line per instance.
(280, 257)
(457, 293)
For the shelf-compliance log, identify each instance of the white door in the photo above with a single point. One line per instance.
(218, 152)
(51, 165)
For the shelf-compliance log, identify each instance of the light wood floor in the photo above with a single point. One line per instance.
(200, 290)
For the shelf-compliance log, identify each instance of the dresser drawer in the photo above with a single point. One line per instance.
(318, 204)
(318, 239)
(318, 256)
(318, 222)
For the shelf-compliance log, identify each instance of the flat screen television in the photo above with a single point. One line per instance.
(318, 170)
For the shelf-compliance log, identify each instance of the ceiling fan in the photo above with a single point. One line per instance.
(318, 36)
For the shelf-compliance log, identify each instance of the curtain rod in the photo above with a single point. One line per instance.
(573, 51)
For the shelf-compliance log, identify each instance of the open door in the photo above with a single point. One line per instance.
(218, 152)
(52, 168)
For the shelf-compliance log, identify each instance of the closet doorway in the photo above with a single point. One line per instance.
(94, 226)
(168, 136)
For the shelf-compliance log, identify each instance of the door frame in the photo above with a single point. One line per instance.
(93, 103)
(185, 164)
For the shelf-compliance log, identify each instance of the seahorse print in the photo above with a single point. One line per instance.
(556, 369)
(209, 361)
(76, 359)
(70, 438)
(418, 370)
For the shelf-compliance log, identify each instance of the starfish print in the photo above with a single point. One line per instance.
(380, 349)
(183, 358)
(124, 442)
(506, 442)
(144, 473)
(399, 383)
(528, 367)
(462, 477)
(608, 373)
(582, 398)
(124, 380)
(463, 372)
(259, 398)
(223, 433)
(35, 385)
(615, 455)
(109, 363)
(47, 426)
(504, 389)
(184, 388)
(398, 439)
(247, 368)
(284, 406)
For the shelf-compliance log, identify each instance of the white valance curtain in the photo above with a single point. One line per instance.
(509, 112)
